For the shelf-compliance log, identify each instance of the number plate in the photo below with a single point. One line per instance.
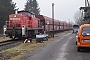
(86, 40)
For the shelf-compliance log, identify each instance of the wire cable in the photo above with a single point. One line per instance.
(49, 1)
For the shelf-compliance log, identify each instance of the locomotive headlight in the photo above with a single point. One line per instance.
(5, 28)
(14, 18)
(23, 28)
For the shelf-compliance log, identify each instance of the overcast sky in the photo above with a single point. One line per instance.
(64, 9)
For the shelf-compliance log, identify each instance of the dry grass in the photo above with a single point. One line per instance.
(4, 39)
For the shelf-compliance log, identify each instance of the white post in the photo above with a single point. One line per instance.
(23, 30)
(4, 30)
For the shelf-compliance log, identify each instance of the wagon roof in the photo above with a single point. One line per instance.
(42, 17)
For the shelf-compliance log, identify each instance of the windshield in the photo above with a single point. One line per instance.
(76, 29)
(25, 13)
(75, 26)
(20, 13)
(86, 31)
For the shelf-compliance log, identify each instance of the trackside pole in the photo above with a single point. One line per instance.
(53, 17)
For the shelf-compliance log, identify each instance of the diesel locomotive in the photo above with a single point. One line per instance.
(23, 24)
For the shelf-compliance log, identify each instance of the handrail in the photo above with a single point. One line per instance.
(28, 23)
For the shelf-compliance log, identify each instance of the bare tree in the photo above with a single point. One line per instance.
(78, 17)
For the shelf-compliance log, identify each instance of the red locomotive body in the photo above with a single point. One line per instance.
(22, 24)
(23, 18)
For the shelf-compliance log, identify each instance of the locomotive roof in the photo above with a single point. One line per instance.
(23, 11)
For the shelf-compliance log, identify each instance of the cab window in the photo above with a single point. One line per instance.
(27, 14)
(20, 13)
(24, 13)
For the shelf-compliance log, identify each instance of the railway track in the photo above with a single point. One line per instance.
(9, 44)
